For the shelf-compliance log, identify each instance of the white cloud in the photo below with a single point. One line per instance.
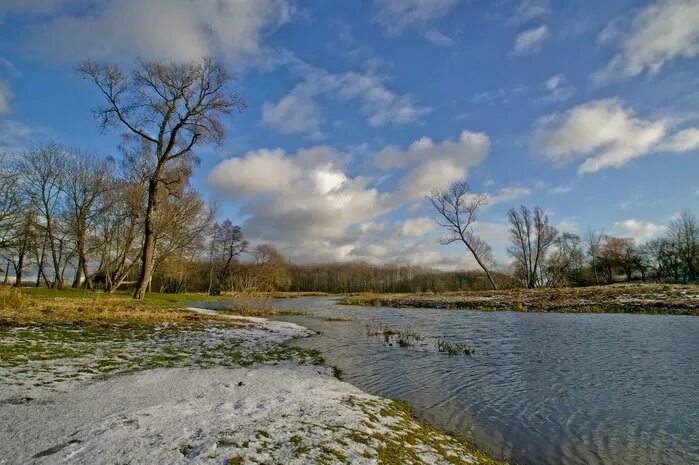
(560, 190)
(557, 88)
(437, 38)
(299, 112)
(397, 15)
(501, 95)
(530, 9)
(310, 206)
(295, 113)
(661, 32)
(508, 194)
(605, 134)
(430, 164)
(258, 172)
(602, 132)
(158, 29)
(683, 141)
(415, 227)
(530, 40)
(304, 196)
(638, 230)
(568, 225)
(16, 136)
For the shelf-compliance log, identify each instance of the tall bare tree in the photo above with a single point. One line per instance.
(531, 236)
(455, 211)
(593, 240)
(87, 183)
(42, 181)
(170, 108)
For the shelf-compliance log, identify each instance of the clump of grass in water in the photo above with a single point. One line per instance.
(406, 338)
(454, 348)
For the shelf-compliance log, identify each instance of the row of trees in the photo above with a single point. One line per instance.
(67, 212)
(545, 257)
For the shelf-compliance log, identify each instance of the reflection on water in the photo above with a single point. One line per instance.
(542, 388)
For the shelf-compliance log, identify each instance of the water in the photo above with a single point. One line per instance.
(542, 388)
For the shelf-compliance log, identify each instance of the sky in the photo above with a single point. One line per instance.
(357, 109)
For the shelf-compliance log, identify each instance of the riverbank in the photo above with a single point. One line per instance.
(632, 298)
(88, 382)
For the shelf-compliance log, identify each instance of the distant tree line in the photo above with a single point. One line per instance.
(545, 257)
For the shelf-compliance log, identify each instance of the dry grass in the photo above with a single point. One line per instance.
(18, 308)
(630, 298)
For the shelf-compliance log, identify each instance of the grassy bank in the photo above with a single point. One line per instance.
(75, 306)
(639, 298)
(57, 347)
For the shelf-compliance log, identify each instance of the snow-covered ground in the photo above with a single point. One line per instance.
(290, 412)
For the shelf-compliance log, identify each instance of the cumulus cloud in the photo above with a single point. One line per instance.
(606, 134)
(661, 32)
(415, 227)
(157, 29)
(395, 16)
(603, 133)
(309, 205)
(428, 164)
(306, 195)
(530, 40)
(299, 112)
(638, 230)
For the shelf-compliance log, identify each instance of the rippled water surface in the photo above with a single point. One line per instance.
(541, 389)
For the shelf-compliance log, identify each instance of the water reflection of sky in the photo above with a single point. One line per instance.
(542, 389)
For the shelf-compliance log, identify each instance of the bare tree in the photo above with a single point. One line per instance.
(531, 237)
(593, 240)
(87, 183)
(565, 263)
(227, 243)
(455, 210)
(170, 108)
(42, 181)
(684, 231)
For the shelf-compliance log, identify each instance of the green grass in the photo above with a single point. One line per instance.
(156, 298)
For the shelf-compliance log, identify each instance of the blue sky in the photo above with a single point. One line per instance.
(356, 108)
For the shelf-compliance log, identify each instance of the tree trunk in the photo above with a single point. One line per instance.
(148, 238)
(18, 270)
(78, 273)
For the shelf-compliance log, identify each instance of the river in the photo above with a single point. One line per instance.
(542, 388)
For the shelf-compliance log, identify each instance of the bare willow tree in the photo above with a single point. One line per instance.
(531, 236)
(455, 211)
(169, 107)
